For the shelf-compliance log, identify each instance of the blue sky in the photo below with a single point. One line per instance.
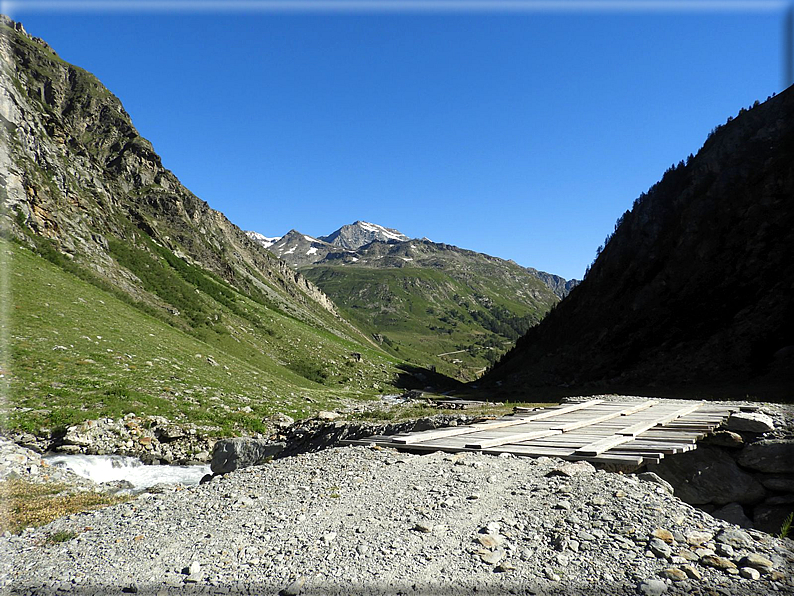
(523, 135)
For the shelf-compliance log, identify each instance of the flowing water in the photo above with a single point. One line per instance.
(105, 468)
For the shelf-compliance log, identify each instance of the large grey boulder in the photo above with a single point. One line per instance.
(753, 422)
(773, 456)
(708, 475)
(770, 517)
(235, 454)
(733, 513)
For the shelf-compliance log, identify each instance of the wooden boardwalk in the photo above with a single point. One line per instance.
(596, 431)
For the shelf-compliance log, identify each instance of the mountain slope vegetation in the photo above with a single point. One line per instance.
(430, 303)
(433, 303)
(692, 295)
(84, 191)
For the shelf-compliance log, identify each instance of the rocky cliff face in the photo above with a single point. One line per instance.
(75, 172)
(693, 293)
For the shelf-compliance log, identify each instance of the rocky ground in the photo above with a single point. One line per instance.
(356, 520)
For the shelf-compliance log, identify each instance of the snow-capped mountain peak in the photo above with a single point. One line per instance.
(265, 241)
(354, 236)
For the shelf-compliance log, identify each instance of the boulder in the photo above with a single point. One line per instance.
(733, 513)
(724, 438)
(770, 518)
(708, 475)
(234, 454)
(753, 422)
(780, 483)
(773, 456)
(655, 479)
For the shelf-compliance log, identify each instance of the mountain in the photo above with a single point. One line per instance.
(89, 209)
(559, 285)
(692, 295)
(356, 235)
(299, 249)
(263, 240)
(430, 303)
(433, 303)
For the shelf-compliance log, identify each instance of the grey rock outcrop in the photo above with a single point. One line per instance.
(235, 454)
(754, 422)
(709, 475)
(769, 455)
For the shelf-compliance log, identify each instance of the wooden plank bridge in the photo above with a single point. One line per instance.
(597, 431)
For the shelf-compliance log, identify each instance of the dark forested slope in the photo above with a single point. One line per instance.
(692, 294)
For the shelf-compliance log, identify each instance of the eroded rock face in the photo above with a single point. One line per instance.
(709, 475)
(773, 456)
(235, 454)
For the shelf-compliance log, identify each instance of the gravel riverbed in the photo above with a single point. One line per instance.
(363, 520)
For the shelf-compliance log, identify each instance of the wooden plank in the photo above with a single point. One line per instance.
(591, 421)
(636, 429)
(629, 433)
(529, 435)
(461, 430)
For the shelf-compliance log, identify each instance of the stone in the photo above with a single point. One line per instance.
(778, 483)
(717, 562)
(492, 557)
(570, 469)
(550, 575)
(489, 540)
(664, 535)
(294, 588)
(772, 456)
(756, 561)
(735, 537)
(192, 569)
(504, 567)
(724, 438)
(733, 513)
(749, 573)
(673, 573)
(770, 517)
(692, 572)
(423, 527)
(753, 422)
(659, 548)
(652, 587)
(725, 550)
(698, 537)
(325, 415)
(656, 479)
(564, 505)
(709, 475)
(235, 454)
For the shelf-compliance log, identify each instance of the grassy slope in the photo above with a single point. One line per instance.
(424, 312)
(79, 352)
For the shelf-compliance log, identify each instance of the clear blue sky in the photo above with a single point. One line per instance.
(521, 135)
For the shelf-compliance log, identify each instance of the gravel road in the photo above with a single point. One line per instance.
(363, 520)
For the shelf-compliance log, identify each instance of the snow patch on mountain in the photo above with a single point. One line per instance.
(265, 241)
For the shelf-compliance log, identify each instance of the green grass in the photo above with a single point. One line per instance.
(25, 504)
(80, 352)
(423, 314)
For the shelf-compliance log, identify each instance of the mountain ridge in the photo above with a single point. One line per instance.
(90, 208)
(692, 294)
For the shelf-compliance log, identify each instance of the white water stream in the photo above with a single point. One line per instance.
(105, 468)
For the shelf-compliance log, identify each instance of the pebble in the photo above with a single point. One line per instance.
(749, 573)
(652, 587)
(673, 573)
